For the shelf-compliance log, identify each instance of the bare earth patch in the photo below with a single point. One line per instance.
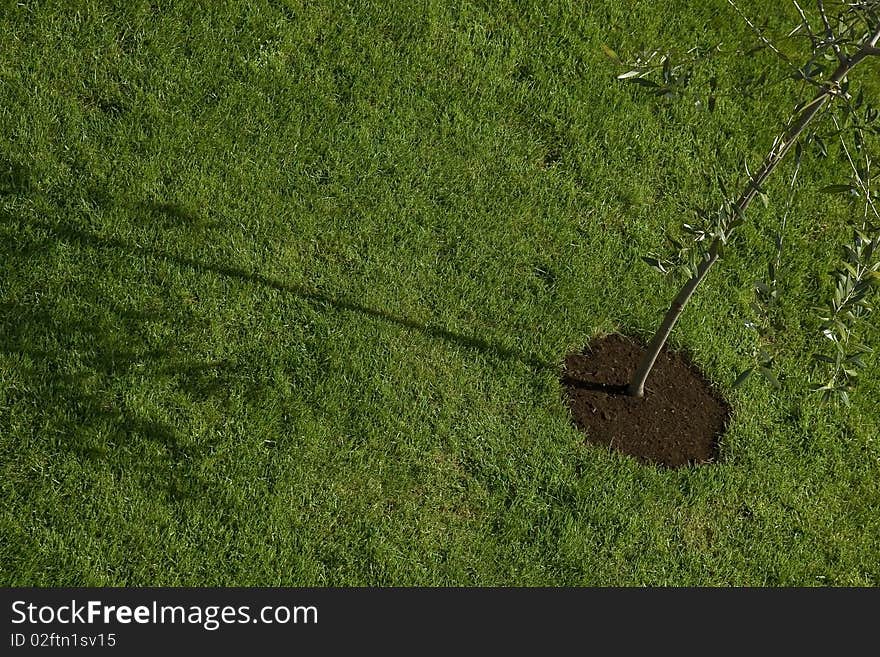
(678, 422)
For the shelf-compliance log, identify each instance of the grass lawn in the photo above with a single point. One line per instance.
(286, 287)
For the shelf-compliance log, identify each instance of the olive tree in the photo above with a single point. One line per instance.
(847, 37)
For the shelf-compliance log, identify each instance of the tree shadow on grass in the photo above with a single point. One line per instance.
(88, 239)
(66, 371)
(81, 408)
(173, 215)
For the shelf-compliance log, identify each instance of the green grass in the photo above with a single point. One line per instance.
(286, 288)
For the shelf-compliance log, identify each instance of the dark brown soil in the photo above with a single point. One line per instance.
(678, 422)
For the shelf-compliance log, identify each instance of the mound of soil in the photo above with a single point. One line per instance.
(678, 422)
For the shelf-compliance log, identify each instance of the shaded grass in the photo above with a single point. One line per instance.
(286, 289)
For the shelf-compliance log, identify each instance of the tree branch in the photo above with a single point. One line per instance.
(814, 40)
(829, 34)
(760, 34)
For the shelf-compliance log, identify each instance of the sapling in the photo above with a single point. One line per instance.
(847, 39)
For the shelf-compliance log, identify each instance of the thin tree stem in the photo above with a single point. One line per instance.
(781, 146)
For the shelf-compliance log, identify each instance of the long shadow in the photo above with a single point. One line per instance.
(89, 417)
(81, 237)
(594, 386)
